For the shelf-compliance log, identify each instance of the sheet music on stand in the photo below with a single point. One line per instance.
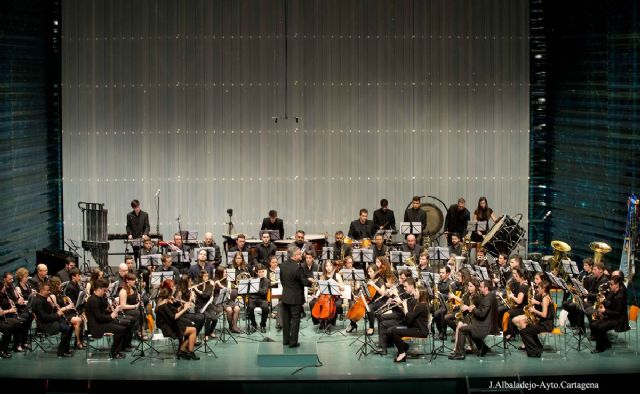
(245, 256)
(482, 273)
(223, 296)
(153, 260)
(281, 255)
(386, 234)
(469, 267)
(414, 228)
(477, 226)
(428, 278)
(273, 234)
(438, 253)
(579, 287)
(327, 253)
(249, 286)
(211, 253)
(231, 274)
(135, 242)
(527, 265)
(558, 282)
(362, 256)
(570, 267)
(536, 266)
(181, 257)
(330, 287)
(413, 269)
(157, 278)
(399, 257)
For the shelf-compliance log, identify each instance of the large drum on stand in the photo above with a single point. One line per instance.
(504, 236)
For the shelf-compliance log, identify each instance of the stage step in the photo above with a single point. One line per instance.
(274, 354)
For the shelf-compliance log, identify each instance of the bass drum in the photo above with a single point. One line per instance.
(435, 218)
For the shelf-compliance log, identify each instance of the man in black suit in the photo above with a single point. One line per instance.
(100, 321)
(273, 223)
(293, 282)
(612, 315)
(383, 218)
(484, 321)
(362, 227)
(51, 321)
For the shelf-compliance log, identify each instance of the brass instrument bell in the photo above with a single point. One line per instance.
(560, 250)
(599, 250)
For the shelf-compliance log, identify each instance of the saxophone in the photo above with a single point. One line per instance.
(465, 245)
(532, 318)
(460, 315)
(450, 301)
(602, 290)
(508, 300)
(436, 298)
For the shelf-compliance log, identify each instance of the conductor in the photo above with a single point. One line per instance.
(293, 282)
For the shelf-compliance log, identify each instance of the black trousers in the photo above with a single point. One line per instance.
(66, 330)
(210, 319)
(386, 323)
(575, 315)
(290, 323)
(438, 318)
(530, 338)
(599, 330)
(8, 327)
(396, 334)
(464, 332)
(264, 307)
(120, 333)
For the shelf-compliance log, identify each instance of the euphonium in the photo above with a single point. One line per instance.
(599, 250)
(560, 250)
(602, 290)
(532, 318)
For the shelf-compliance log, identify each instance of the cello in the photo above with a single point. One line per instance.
(359, 308)
(325, 308)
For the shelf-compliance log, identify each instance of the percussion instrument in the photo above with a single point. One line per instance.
(435, 218)
(504, 236)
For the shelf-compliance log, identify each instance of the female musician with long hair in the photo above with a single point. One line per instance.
(183, 293)
(482, 214)
(204, 290)
(416, 316)
(96, 274)
(169, 317)
(329, 272)
(469, 298)
(518, 296)
(544, 310)
(230, 307)
(375, 284)
(239, 264)
(20, 301)
(129, 301)
(60, 302)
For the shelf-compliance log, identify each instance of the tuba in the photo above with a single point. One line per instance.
(599, 250)
(560, 251)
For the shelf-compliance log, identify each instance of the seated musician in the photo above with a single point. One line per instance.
(15, 325)
(300, 243)
(482, 214)
(23, 313)
(456, 245)
(591, 284)
(170, 320)
(481, 258)
(230, 306)
(383, 218)
(241, 245)
(265, 250)
(131, 265)
(180, 253)
(273, 223)
(40, 277)
(184, 293)
(542, 308)
(385, 267)
(412, 246)
(101, 321)
(7, 327)
(517, 298)
(60, 302)
(147, 246)
(612, 314)
(63, 274)
(204, 290)
(259, 300)
(72, 290)
(147, 266)
(392, 317)
(119, 280)
(415, 214)
(423, 264)
(24, 285)
(340, 249)
(239, 264)
(96, 274)
(456, 317)
(362, 227)
(416, 318)
(130, 302)
(484, 321)
(209, 242)
(50, 318)
(272, 271)
(500, 280)
(443, 288)
(201, 265)
(167, 266)
(379, 248)
(375, 284)
(309, 265)
(329, 272)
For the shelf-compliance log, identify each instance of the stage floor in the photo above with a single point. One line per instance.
(337, 357)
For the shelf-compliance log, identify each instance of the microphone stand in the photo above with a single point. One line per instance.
(158, 213)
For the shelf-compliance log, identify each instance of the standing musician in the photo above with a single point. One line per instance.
(50, 319)
(101, 321)
(393, 317)
(202, 265)
(40, 277)
(379, 249)
(259, 300)
(181, 253)
(137, 225)
(444, 285)
(612, 314)
(23, 313)
(456, 221)
(412, 246)
(60, 302)
(203, 291)
(230, 306)
(416, 214)
(265, 250)
(293, 282)
(362, 227)
(130, 302)
(484, 321)
(209, 242)
(543, 309)
(172, 322)
(517, 298)
(416, 317)
(273, 223)
(376, 285)
(482, 214)
(329, 272)
(383, 218)
(340, 249)
(455, 246)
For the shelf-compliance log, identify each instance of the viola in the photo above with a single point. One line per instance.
(325, 308)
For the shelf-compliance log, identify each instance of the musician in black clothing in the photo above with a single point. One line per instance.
(209, 242)
(7, 327)
(40, 277)
(173, 324)
(484, 321)
(482, 214)
(416, 214)
(591, 284)
(543, 309)
(394, 317)
(137, 221)
(167, 266)
(101, 321)
(362, 227)
(181, 253)
(416, 311)
(443, 288)
(383, 218)
(412, 246)
(293, 282)
(14, 299)
(201, 265)
(518, 297)
(52, 320)
(273, 223)
(612, 315)
(63, 274)
(456, 220)
(455, 246)
(309, 266)
(204, 290)
(265, 250)
(340, 249)
(259, 300)
(379, 249)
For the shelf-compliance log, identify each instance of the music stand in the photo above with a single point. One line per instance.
(223, 297)
(281, 255)
(399, 257)
(156, 279)
(528, 266)
(581, 306)
(477, 226)
(153, 260)
(481, 273)
(570, 267)
(428, 278)
(367, 343)
(438, 253)
(245, 288)
(273, 234)
(412, 268)
(245, 256)
(414, 228)
(332, 288)
(536, 266)
(362, 257)
(327, 253)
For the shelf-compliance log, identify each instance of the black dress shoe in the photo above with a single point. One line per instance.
(4, 354)
(594, 351)
(193, 356)
(297, 344)
(263, 329)
(441, 337)
(456, 357)
(65, 354)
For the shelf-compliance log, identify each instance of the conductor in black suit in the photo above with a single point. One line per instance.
(273, 223)
(293, 282)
